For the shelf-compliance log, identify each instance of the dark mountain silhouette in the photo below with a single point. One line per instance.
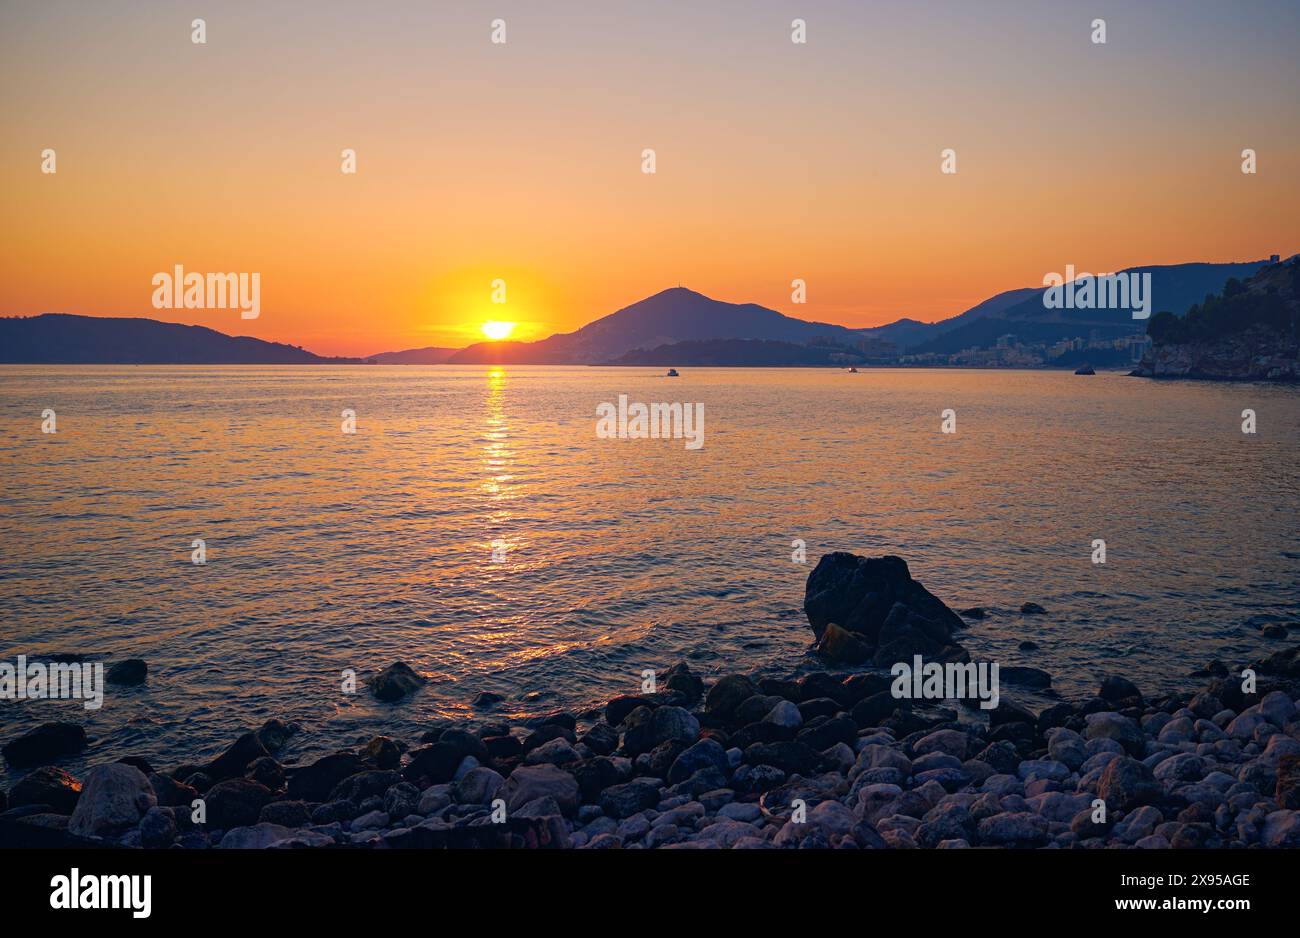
(760, 353)
(908, 332)
(429, 355)
(675, 315)
(63, 339)
(1248, 332)
(1173, 287)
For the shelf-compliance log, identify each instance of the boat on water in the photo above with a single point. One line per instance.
(1084, 370)
(853, 371)
(672, 373)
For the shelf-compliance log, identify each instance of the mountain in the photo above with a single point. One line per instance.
(429, 355)
(908, 332)
(1173, 287)
(675, 315)
(756, 353)
(1249, 332)
(63, 339)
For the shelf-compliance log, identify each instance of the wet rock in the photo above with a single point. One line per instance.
(255, 837)
(859, 594)
(314, 782)
(728, 693)
(1119, 690)
(1032, 609)
(266, 771)
(485, 700)
(113, 797)
(48, 785)
(433, 765)
(236, 802)
(236, 759)
(974, 612)
(1025, 677)
(46, 743)
(384, 752)
(128, 672)
(841, 646)
(784, 714)
(286, 814)
(789, 757)
(1281, 829)
(395, 682)
(680, 679)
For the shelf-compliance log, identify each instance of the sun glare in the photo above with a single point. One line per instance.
(498, 330)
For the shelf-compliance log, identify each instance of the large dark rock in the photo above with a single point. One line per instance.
(728, 693)
(859, 593)
(47, 742)
(128, 672)
(314, 782)
(236, 758)
(236, 802)
(395, 682)
(433, 765)
(48, 785)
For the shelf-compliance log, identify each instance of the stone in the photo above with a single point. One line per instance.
(784, 714)
(840, 646)
(528, 782)
(674, 724)
(728, 693)
(48, 785)
(157, 828)
(43, 745)
(1014, 829)
(1118, 689)
(1126, 784)
(478, 786)
(1110, 725)
(128, 672)
(113, 797)
(236, 802)
(707, 753)
(629, 798)
(1032, 609)
(859, 593)
(394, 682)
(255, 837)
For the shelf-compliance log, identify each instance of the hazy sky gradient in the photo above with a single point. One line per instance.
(522, 161)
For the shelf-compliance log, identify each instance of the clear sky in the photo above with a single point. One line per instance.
(522, 161)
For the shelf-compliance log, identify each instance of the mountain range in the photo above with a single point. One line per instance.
(674, 326)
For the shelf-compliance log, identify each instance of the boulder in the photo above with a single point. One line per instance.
(128, 672)
(840, 646)
(43, 745)
(859, 594)
(394, 682)
(235, 802)
(315, 782)
(47, 785)
(113, 797)
(730, 691)
(529, 782)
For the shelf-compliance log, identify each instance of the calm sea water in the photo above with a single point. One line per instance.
(329, 551)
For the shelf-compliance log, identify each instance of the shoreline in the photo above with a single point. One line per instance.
(819, 760)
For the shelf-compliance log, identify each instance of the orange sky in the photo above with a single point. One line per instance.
(523, 161)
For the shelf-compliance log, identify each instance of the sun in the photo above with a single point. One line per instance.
(497, 330)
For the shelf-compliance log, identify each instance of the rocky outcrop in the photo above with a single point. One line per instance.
(1255, 355)
(864, 608)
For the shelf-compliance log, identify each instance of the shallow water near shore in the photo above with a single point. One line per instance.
(328, 551)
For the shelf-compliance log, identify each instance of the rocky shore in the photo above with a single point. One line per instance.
(834, 759)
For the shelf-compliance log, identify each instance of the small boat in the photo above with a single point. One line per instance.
(1084, 370)
(672, 373)
(853, 371)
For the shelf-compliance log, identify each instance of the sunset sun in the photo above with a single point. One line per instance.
(497, 330)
